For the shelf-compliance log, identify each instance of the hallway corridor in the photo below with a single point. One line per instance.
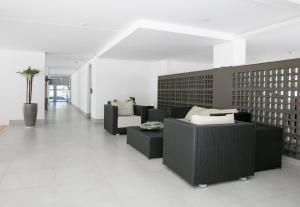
(71, 162)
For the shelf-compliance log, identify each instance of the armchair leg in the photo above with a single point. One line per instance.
(202, 186)
(243, 179)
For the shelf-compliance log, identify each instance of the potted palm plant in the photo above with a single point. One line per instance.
(29, 109)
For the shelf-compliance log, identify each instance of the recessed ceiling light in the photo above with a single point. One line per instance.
(83, 24)
(207, 20)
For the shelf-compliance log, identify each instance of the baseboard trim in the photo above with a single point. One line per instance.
(19, 122)
(86, 115)
(97, 121)
(290, 160)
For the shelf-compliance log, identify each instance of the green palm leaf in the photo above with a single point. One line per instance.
(29, 73)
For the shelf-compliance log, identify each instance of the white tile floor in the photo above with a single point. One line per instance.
(71, 162)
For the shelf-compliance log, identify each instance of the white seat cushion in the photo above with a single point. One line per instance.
(211, 120)
(128, 121)
(196, 110)
(125, 108)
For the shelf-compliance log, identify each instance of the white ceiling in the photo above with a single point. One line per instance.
(152, 45)
(275, 44)
(66, 60)
(75, 30)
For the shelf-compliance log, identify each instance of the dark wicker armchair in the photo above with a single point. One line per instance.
(180, 112)
(111, 118)
(210, 153)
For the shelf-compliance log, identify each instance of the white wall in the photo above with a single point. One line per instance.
(120, 79)
(79, 89)
(13, 85)
(276, 55)
(230, 53)
(174, 66)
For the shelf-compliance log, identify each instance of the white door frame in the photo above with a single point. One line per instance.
(89, 90)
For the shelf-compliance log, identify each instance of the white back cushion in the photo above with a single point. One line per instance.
(125, 108)
(128, 121)
(196, 110)
(205, 112)
(210, 120)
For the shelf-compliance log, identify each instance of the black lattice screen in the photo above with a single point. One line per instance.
(271, 95)
(268, 90)
(185, 90)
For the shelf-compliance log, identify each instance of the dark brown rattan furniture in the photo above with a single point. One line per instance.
(240, 116)
(111, 117)
(269, 147)
(180, 112)
(170, 112)
(210, 153)
(150, 143)
(157, 115)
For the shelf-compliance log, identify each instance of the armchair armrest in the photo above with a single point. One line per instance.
(239, 116)
(111, 118)
(178, 112)
(179, 147)
(243, 116)
(142, 111)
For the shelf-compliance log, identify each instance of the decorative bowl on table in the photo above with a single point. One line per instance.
(152, 126)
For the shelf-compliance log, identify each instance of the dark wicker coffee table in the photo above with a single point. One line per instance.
(150, 143)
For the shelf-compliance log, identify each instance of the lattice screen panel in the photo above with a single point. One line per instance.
(185, 90)
(271, 95)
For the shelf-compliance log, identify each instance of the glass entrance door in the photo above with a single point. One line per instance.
(59, 93)
(59, 89)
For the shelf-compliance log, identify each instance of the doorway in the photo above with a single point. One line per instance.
(59, 89)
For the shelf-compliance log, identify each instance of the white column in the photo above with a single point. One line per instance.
(230, 53)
